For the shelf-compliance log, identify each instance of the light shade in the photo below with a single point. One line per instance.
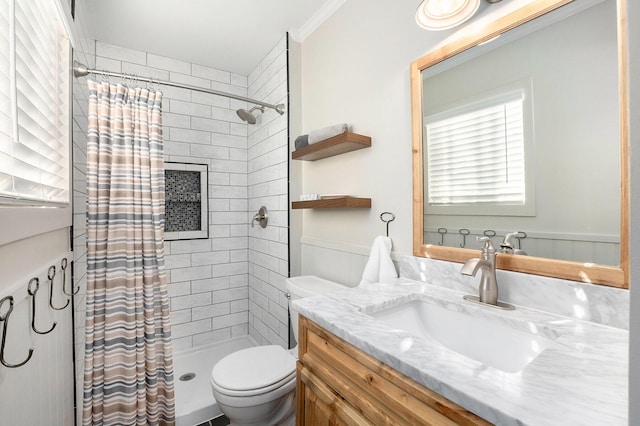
(436, 15)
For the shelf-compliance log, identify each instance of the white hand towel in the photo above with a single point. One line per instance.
(327, 132)
(379, 267)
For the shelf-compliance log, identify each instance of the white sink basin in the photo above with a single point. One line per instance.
(486, 341)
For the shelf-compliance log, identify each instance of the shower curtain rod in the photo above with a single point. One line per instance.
(81, 70)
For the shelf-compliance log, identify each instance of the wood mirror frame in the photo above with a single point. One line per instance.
(576, 271)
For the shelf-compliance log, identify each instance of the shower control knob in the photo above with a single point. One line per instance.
(260, 217)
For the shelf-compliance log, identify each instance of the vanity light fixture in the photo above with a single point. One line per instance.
(437, 15)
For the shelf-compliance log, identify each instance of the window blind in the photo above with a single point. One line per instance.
(475, 154)
(34, 161)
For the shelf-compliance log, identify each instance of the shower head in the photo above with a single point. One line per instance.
(247, 115)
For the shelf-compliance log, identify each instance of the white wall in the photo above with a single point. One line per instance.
(41, 392)
(355, 69)
(634, 131)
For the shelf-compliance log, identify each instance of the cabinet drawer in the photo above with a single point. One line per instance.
(378, 393)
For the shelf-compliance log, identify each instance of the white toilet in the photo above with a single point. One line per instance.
(256, 386)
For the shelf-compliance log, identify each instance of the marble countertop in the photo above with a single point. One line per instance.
(581, 379)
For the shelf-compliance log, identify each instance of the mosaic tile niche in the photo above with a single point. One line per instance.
(185, 201)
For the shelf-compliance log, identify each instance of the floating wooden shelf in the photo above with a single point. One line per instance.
(344, 142)
(334, 203)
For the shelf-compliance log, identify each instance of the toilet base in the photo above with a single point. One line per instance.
(284, 414)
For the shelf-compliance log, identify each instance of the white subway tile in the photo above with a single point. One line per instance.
(210, 284)
(179, 317)
(144, 71)
(178, 77)
(238, 80)
(219, 204)
(209, 151)
(240, 330)
(228, 218)
(233, 141)
(209, 125)
(217, 178)
(210, 99)
(237, 179)
(229, 166)
(169, 64)
(216, 191)
(229, 320)
(241, 230)
(120, 53)
(210, 258)
(210, 311)
(190, 246)
(238, 205)
(211, 337)
(190, 108)
(226, 269)
(192, 273)
(176, 120)
(175, 148)
(108, 64)
(179, 289)
(210, 73)
(190, 328)
(191, 136)
(191, 301)
(216, 231)
(236, 293)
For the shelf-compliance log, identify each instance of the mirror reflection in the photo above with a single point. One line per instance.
(521, 137)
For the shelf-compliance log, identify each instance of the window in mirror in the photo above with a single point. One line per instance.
(476, 159)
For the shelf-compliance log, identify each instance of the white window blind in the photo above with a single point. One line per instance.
(34, 155)
(476, 154)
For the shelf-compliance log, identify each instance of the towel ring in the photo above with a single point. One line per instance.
(388, 221)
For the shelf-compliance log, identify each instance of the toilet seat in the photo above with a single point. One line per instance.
(254, 371)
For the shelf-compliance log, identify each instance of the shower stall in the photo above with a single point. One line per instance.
(226, 289)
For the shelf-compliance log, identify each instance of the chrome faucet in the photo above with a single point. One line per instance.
(487, 264)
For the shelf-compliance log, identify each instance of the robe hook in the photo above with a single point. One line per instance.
(442, 231)
(63, 266)
(388, 221)
(5, 318)
(32, 293)
(51, 273)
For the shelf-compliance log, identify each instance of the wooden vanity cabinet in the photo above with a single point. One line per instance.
(338, 384)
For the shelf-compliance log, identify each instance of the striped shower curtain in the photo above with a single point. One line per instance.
(128, 373)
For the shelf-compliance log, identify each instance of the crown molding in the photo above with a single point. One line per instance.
(328, 9)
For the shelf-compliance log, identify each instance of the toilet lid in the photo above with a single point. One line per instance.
(253, 368)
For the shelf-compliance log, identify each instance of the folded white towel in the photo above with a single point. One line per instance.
(327, 132)
(379, 267)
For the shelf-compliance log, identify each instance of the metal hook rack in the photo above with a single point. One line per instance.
(388, 221)
(5, 318)
(51, 274)
(32, 293)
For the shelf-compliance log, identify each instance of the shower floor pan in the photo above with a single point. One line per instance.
(194, 400)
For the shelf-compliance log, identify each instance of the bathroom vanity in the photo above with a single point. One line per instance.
(339, 384)
(357, 366)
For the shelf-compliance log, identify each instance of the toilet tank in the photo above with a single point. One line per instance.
(307, 286)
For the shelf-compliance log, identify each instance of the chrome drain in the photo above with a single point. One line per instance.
(188, 376)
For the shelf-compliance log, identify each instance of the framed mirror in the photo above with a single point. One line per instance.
(520, 127)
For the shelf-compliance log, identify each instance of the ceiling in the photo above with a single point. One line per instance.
(232, 35)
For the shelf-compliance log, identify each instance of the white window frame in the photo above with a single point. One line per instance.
(492, 97)
(19, 221)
